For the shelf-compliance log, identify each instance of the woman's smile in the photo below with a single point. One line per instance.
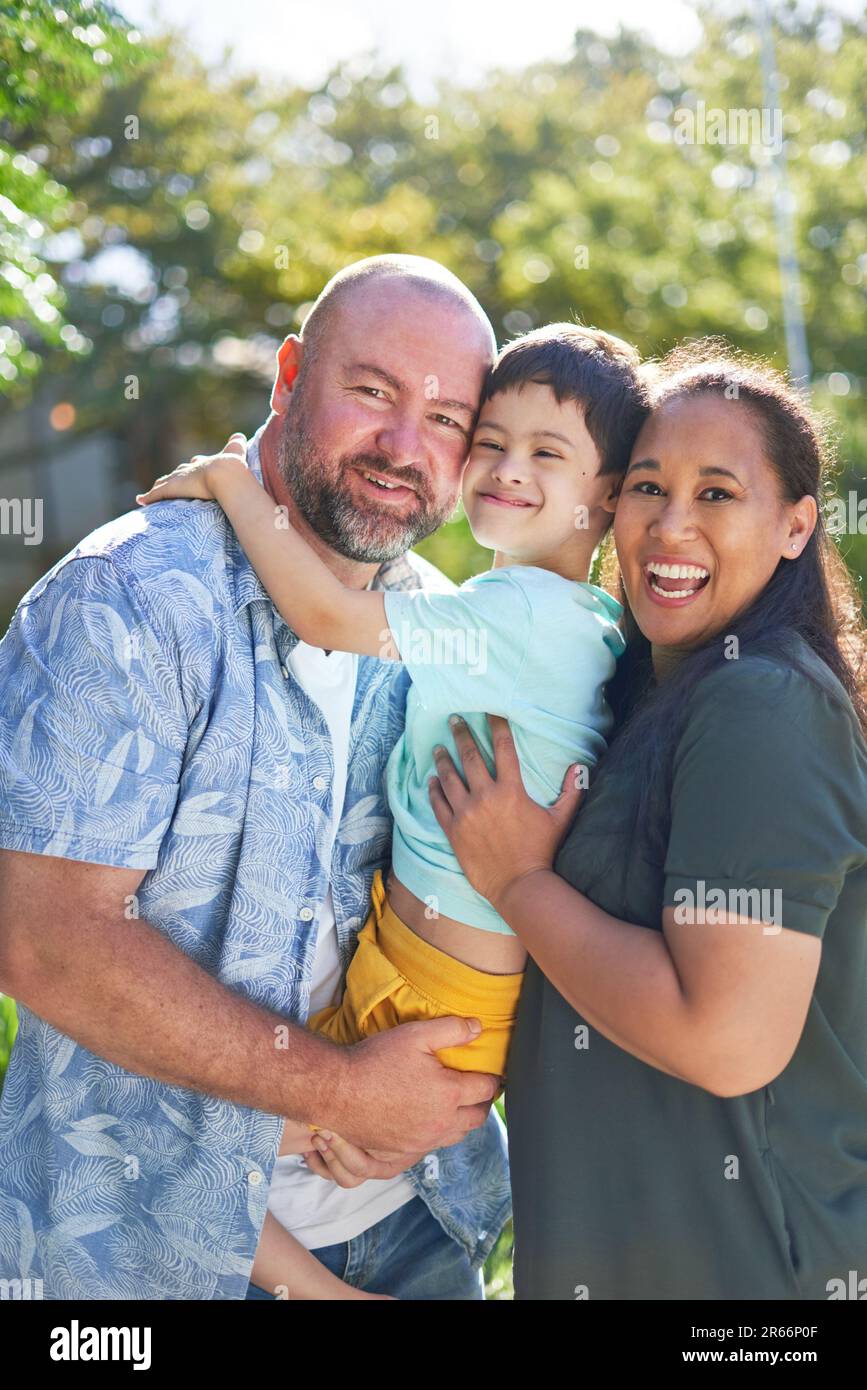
(674, 581)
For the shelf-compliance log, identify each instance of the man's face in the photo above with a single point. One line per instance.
(393, 391)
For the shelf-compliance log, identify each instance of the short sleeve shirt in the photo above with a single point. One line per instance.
(517, 641)
(655, 1188)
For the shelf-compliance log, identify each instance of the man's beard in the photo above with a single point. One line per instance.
(351, 525)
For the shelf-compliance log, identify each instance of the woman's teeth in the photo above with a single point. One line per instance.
(676, 576)
(677, 571)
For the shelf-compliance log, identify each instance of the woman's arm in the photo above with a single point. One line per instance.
(323, 612)
(721, 1006)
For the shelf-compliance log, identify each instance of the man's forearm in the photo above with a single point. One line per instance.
(125, 992)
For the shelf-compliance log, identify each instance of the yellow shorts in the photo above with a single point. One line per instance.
(396, 977)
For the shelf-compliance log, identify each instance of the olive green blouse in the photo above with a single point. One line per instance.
(631, 1184)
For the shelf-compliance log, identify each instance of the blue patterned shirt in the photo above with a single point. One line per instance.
(148, 720)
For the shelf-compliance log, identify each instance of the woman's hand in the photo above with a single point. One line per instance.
(497, 831)
(200, 478)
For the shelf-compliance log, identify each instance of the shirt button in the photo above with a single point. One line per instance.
(284, 672)
(305, 914)
(320, 783)
(254, 1179)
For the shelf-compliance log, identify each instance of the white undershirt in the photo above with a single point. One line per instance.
(314, 1209)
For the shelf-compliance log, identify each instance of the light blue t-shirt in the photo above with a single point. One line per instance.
(518, 641)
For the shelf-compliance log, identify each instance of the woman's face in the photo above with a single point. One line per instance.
(700, 523)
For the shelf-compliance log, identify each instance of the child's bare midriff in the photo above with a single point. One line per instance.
(493, 952)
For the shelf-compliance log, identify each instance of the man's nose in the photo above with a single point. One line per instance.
(400, 440)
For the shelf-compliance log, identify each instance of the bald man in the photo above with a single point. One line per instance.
(192, 810)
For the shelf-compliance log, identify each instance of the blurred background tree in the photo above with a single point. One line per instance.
(45, 63)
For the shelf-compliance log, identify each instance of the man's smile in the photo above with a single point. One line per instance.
(384, 486)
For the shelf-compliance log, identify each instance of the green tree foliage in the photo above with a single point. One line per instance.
(48, 55)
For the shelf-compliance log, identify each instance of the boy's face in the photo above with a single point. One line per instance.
(535, 454)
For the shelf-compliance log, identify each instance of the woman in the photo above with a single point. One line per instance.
(687, 1085)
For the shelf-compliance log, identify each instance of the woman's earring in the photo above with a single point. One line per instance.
(794, 546)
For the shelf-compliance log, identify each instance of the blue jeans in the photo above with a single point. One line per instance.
(408, 1255)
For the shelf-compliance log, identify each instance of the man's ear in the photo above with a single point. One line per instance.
(289, 356)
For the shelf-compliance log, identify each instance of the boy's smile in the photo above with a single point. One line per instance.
(503, 499)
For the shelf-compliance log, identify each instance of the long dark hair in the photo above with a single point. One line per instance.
(812, 597)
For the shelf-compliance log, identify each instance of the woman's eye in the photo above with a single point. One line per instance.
(722, 495)
(642, 487)
(487, 444)
(546, 454)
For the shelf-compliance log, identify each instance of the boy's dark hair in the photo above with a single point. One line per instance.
(599, 372)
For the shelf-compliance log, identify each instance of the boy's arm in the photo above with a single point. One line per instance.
(323, 612)
(286, 1269)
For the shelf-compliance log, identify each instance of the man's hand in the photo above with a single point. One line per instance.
(395, 1097)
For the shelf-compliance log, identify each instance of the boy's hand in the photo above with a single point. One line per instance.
(348, 1166)
(200, 478)
(297, 1138)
